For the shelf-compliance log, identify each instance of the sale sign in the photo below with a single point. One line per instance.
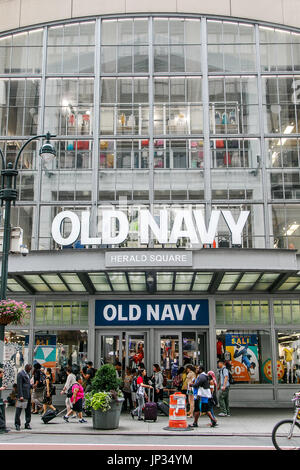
(243, 353)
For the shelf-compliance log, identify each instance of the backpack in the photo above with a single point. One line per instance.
(134, 386)
(230, 377)
(42, 379)
(70, 392)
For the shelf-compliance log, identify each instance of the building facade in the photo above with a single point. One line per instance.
(175, 192)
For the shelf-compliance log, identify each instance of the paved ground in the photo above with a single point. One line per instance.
(242, 422)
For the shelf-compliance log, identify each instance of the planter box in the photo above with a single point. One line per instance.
(108, 419)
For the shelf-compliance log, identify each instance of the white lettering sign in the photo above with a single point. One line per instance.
(187, 224)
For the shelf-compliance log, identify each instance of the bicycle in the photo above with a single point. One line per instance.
(286, 433)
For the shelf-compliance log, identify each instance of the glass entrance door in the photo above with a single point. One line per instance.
(178, 348)
(110, 348)
(136, 349)
(169, 353)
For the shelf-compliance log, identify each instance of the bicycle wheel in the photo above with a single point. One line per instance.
(281, 435)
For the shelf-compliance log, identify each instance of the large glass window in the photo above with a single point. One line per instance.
(58, 349)
(233, 105)
(177, 45)
(124, 46)
(247, 353)
(288, 356)
(69, 106)
(279, 50)
(71, 48)
(281, 104)
(231, 47)
(286, 225)
(19, 106)
(15, 354)
(22, 52)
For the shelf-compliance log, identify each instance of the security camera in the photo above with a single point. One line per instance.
(24, 250)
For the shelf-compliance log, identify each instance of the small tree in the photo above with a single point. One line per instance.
(106, 380)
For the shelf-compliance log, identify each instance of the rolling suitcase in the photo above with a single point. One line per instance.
(51, 414)
(163, 407)
(150, 410)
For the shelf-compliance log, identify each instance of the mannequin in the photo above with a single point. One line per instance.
(289, 359)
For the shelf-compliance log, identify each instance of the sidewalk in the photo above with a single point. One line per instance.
(242, 422)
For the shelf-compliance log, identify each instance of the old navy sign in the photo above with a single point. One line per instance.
(115, 226)
(148, 312)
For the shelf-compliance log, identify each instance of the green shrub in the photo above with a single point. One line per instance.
(106, 380)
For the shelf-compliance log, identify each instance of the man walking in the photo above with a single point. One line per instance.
(223, 386)
(3, 428)
(23, 396)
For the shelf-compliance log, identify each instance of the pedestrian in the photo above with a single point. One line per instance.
(213, 388)
(3, 428)
(88, 376)
(127, 389)
(190, 377)
(183, 373)
(71, 379)
(196, 398)
(203, 396)
(140, 394)
(48, 392)
(177, 380)
(39, 382)
(223, 386)
(158, 381)
(133, 387)
(77, 400)
(23, 397)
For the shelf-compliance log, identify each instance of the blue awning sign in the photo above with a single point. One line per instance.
(149, 312)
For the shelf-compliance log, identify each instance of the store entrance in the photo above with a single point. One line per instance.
(178, 348)
(169, 348)
(130, 348)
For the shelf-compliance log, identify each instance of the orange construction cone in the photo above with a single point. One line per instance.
(177, 413)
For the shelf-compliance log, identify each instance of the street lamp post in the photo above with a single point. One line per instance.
(8, 195)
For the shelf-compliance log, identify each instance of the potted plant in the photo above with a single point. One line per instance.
(12, 311)
(105, 399)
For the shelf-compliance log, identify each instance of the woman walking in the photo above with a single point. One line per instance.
(140, 395)
(191, 375)
(213, 388)
(158, 380)
(127, 388)
(77, 400)
(48, 392)
(71, 379)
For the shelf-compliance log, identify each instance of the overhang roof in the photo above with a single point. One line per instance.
(213, 271)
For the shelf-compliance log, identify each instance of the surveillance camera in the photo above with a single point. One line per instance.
(24, 250)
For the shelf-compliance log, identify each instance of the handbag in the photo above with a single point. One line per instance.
(53, 391)
(21, 404)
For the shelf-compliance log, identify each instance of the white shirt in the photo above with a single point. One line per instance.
(70, 381)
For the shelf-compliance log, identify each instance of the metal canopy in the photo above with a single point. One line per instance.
(219, 271)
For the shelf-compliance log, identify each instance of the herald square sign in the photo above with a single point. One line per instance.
(151, 312)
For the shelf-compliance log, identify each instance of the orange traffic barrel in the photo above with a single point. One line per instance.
(177, 413)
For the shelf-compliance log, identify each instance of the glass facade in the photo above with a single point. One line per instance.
(142, 117)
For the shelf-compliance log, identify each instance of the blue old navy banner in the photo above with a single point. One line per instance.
(151, 312)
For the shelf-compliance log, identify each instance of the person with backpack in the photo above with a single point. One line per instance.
(88, 376)
(140, 395)
(127, 389)
(48, 392)
(76, 400)
(158, 381)
(71, 379)
(202, 394)
(38, 386)
(191, 375)
(133, 387)
(224, 386)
